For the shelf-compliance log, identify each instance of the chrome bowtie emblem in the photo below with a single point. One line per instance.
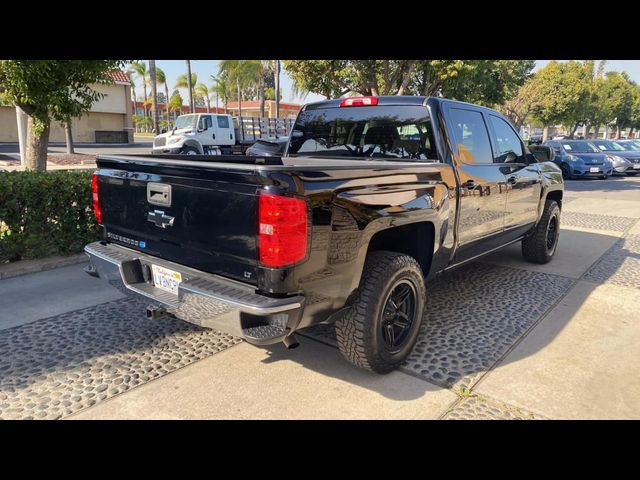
(159, 219)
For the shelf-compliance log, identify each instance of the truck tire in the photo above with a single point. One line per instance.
(540, 245)
(187, 150)
(379, 328)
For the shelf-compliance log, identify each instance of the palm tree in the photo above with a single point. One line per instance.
(263, 71)
(203, 91)
(242, 73)
(162, 79)
(190, 84)
(275, 66)
(130, 72)
(221, 89)
(183, 82)
(140, 69)
(154, 95)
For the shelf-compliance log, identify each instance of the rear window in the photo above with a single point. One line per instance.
(385, 132)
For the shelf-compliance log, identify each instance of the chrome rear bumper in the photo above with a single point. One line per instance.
(203, 299)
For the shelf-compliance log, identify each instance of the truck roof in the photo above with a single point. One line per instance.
(392, 100)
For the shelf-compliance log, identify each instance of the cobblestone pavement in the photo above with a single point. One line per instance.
(597, 222)
(620, 265)
(479, 408)
(473, 316)
(56, 366)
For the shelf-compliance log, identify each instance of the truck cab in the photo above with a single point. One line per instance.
(198, 134)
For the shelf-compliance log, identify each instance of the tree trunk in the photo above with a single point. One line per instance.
(69, 137)
(276, 73)
(596, 132)
(190, 87)
(37, 146)
(587, 129)
(146, 112)
(217, 98)
(154, 95)
(208, 104)
(617, 132)
(239, 100)
(545, 134)
(166, 95)
(573, 130)
(261, 94)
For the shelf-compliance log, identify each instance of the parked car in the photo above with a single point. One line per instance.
(373, 197)
(580, 159)
(268, 147)
(618, 150)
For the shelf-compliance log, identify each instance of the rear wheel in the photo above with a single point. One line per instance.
(379, 328)
(540, 245)
(566, 171)
(186, 150)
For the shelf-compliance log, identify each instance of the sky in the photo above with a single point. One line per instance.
(205, 68)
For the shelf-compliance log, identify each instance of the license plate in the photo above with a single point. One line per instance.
(594, 170)
(636, 166)
(166, 279)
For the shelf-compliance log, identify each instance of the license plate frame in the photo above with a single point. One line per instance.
(594, 170)
(166, 279)
(636, 166)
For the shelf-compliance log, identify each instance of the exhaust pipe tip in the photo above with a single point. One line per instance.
(291, 342)
(91, 270)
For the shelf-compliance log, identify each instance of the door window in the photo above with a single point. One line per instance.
(509, 148)
(205, 122)
(223, 121)
(471, 136)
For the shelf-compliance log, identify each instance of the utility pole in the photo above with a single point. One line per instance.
(154, 95)
(190, 87)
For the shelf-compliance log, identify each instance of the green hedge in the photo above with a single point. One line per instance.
(45, 213)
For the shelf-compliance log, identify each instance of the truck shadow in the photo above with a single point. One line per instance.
(478, 313)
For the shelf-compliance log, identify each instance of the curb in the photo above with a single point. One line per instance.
(25, 267)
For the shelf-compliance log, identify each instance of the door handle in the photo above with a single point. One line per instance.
(512, 180)
(213, 135)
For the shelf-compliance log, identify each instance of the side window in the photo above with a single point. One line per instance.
(205, 122)
(507, 142)
(471, 136)
(223, 122)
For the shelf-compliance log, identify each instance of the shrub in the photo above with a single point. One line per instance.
(45, 213)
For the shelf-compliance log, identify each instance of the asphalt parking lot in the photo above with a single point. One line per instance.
(502, 339)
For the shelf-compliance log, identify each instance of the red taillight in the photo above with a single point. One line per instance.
(97, 212)
(282, 230)
(359, 102)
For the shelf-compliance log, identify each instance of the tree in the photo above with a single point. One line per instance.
(154, 95)
(52, 89)
(486, 82)
(562, 91)
(617, 100)
(176, 102)
(183, 82)
(275, 66)
(203, 92)
(242, 73)
(221, 89)
(190, 84)
(140, 69)
(162, 80)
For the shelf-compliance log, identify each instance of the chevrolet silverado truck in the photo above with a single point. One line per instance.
(373, 197)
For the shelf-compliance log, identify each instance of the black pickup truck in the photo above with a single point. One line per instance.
(372, 197)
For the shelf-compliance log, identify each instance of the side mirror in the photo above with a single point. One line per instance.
(542, 153)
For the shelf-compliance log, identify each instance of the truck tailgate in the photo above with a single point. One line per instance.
(202, 217)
